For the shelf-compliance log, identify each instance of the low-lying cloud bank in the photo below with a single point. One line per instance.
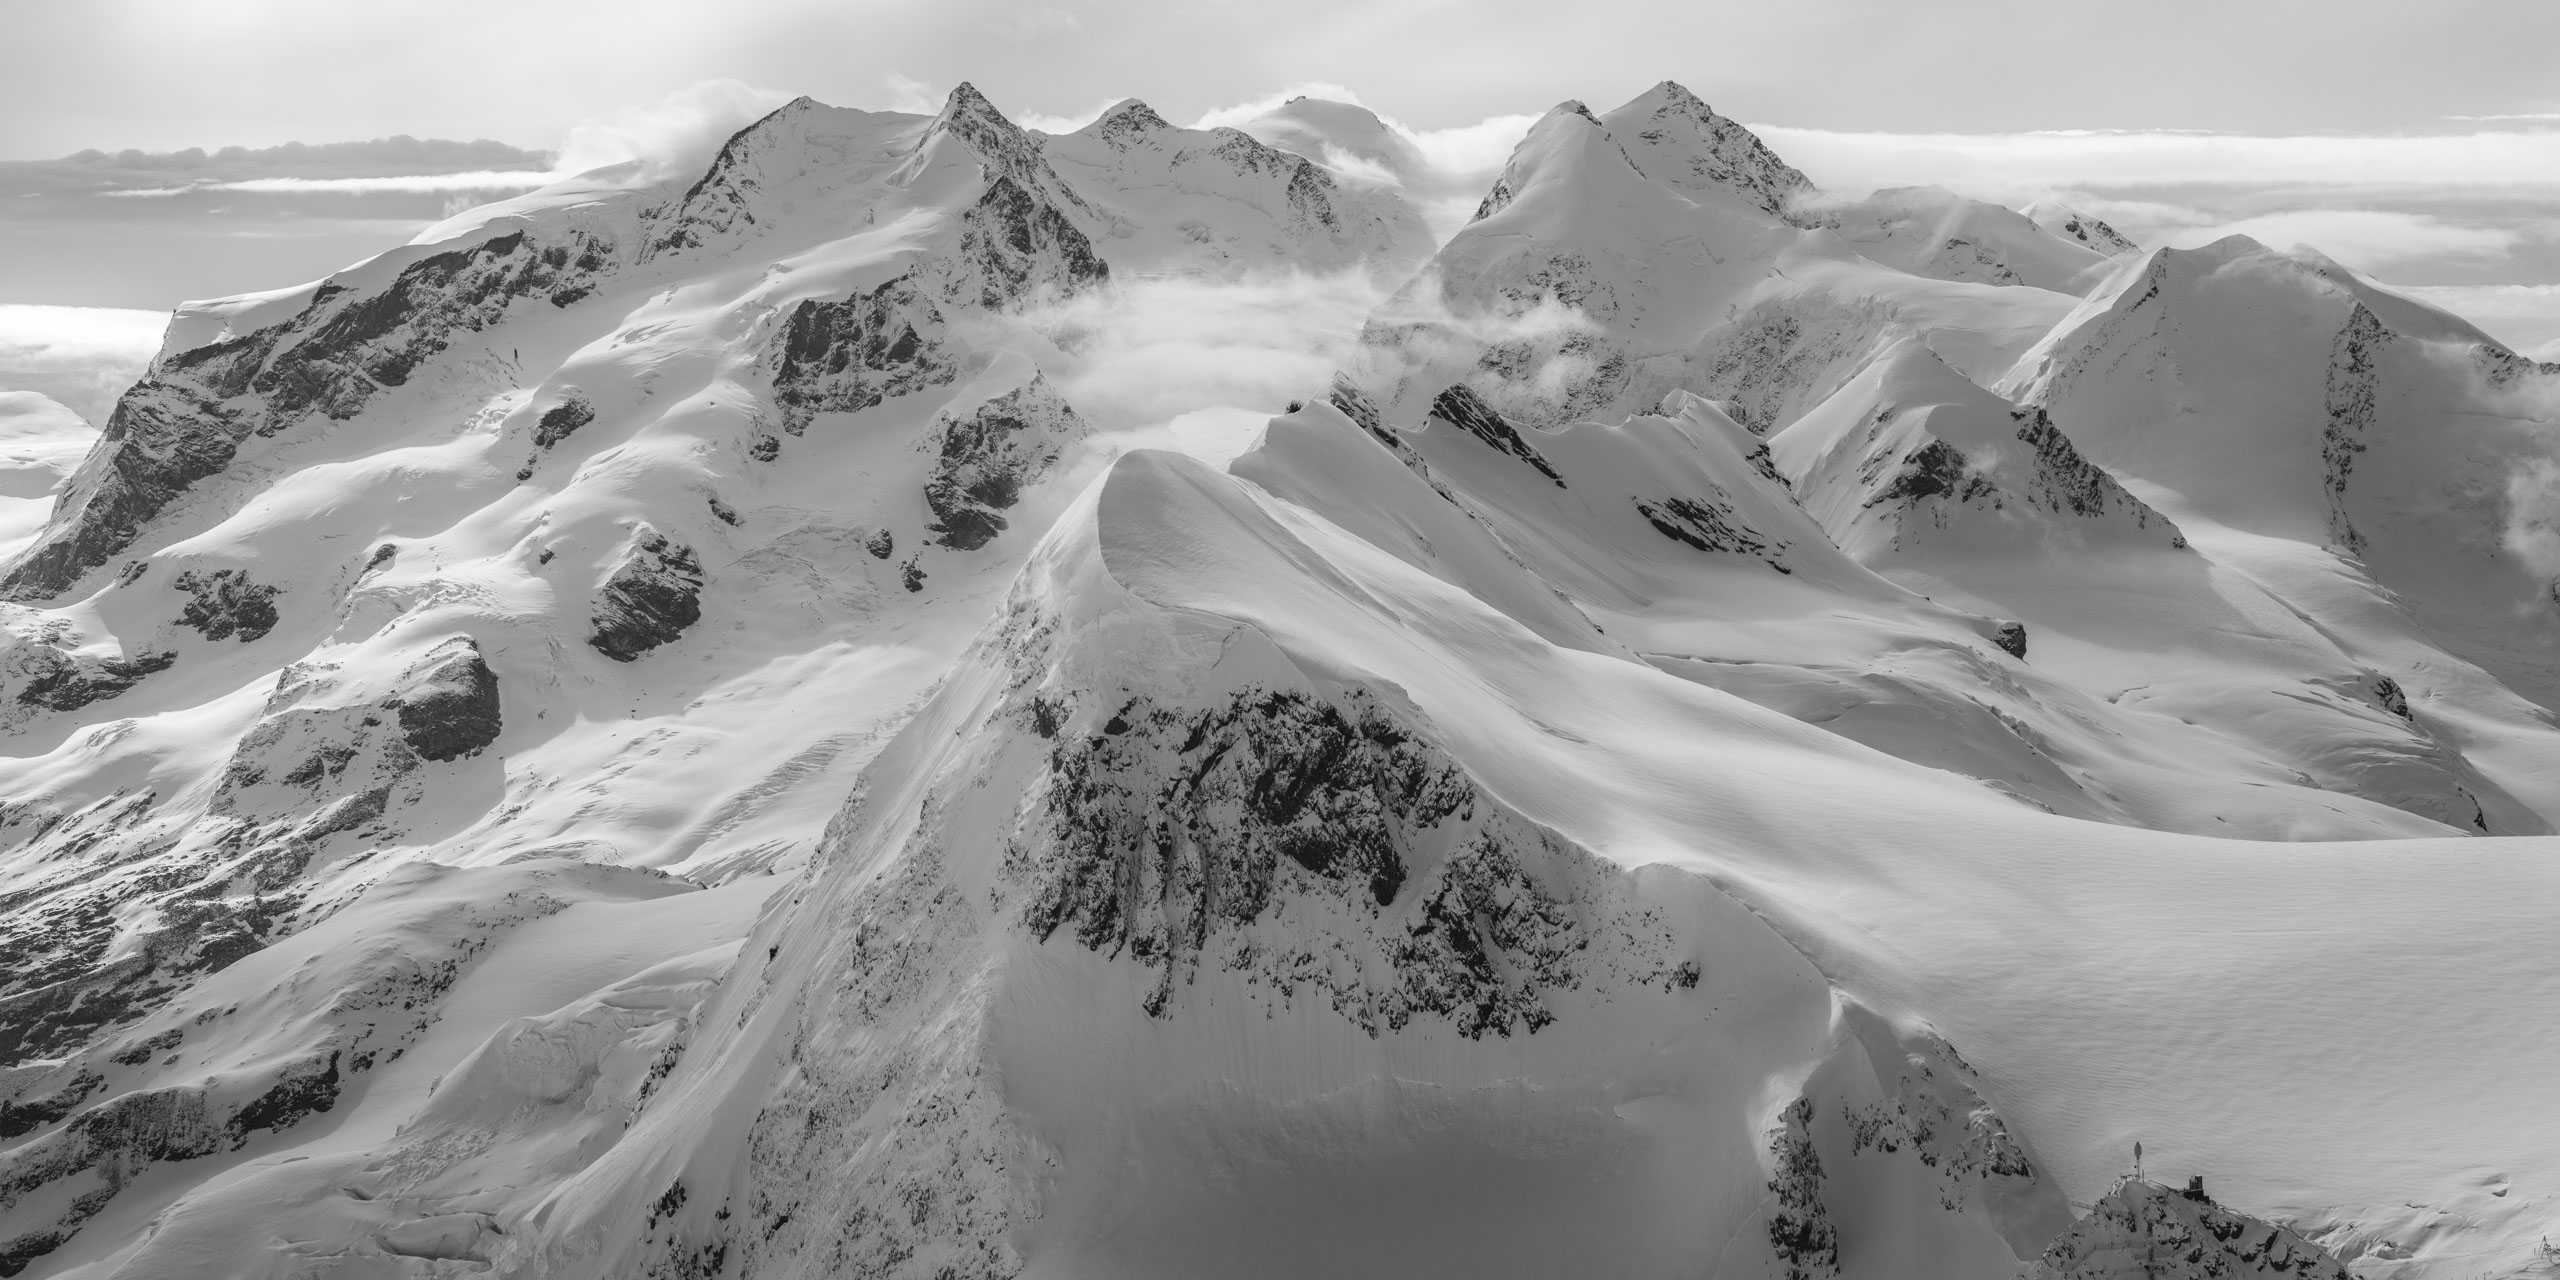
(83, 357)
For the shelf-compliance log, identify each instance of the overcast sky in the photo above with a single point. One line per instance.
(2419, 142)
(165, 74)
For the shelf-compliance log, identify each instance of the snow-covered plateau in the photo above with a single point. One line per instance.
(925, 699)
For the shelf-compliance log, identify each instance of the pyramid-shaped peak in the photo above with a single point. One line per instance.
(1126, 121)
(968, 115)
(1677, 140)
(1136, 112)
(1675, 95)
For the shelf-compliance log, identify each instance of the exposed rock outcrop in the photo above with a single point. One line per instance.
(648, 598)
(848, 355)
(1461, 407)
(448, 704)
(985, 457)
(1199, 840)
(195, 408)
(2143, 1229)
(225, 603)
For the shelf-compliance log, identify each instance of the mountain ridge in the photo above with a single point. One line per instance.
(697, 726)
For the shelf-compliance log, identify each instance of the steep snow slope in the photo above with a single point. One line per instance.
(671, 729)
(1931, 231)
(1911, 454)
(1324, 894)
(2370, 460)
(1663, 246)
(536, 538)
(2080, 228)
(1221, 199)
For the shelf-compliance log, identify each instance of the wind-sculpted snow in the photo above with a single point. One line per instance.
(1580, 290)
(303, 1022)
(1220, 201)
(1675, 138)
(806, 718)
(1910, 454)
(197, 407)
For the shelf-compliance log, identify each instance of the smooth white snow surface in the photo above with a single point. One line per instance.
(822, 718)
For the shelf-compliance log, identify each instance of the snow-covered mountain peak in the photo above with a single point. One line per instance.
(1675, 138)
(1125, 124)
(698, 727)
(2144, 1229)
(1223, 202)
(2084, 228)
(1348, 137)
(1912, 455)
(970, 125)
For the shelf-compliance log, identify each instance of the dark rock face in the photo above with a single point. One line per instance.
(2351, 403)
(2096, 234)
(187, 417)
(226, 603)
(651, 596)
(560, 420)
(1356, 405)
(1169, 835)
(2143, 1228)
(2504, 367)
(1936, 469)
(383, 1004)
(1732, 157)
(985, 458)
(846, 356)
(1462, 408)
(720, 201)
(1014, 247)
(2388, 695)
(2067, 483)
(448, 705)
(1800, 1229)
(67, 682)
(2012, 639)
(1711, 524)
(1128, 124)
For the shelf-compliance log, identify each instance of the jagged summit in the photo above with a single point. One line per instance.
(1913, 455)
(2083, 228)
(1334, 133)
(1676, 138)
(1125, 122)
(2144, 1229)
(816, 716)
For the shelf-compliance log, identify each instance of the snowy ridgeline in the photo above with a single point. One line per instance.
(820, 717)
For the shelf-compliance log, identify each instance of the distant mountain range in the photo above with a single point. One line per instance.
(665, 729)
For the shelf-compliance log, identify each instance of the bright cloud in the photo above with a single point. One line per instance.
(677, 132)
(2002, 164)
(2367, 239)
(485, 180)
(82, 356)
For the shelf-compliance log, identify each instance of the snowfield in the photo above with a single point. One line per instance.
(937, 700)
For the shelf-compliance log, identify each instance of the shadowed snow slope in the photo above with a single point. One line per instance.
(810, 719)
